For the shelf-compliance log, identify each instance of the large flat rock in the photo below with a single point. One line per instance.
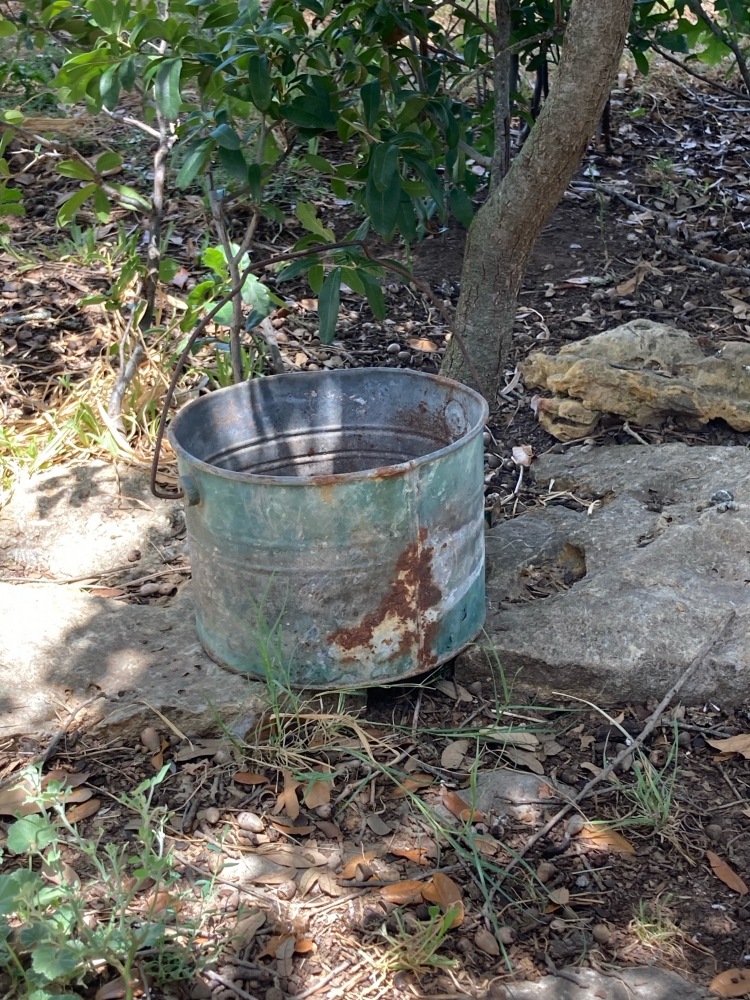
(59, 647)
(644, 983)
(635, 587)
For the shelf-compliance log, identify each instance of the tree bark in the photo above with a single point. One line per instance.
(505, 229)
(501, 89)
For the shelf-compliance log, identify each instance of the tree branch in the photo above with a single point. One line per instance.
(697, 8)
(699, 76)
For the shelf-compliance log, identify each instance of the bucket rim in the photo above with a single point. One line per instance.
(379, 472)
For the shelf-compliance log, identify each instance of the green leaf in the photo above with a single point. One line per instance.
(315, 277)
(30, 833)
(296, 268)
(307, 215)
(130, 196)
(168, 268)
(109, 87)
(195, 160)
(72, 168)
(641, 61)
(167, 88)
(383, 165)
(370, 94)
(428, 175)
(383, 205)
(318, 162)
(54, 962)
(7, 28)
(127, 72)
(461, 206)
(108, 161)
(102, 207)
(256, 295)
(233, 162)
(259, 79)
(12, 117)
(308, 113)
(255, 182)
(44, 995)
(374, 294)
(226, 137)
(68, 209)
(328, 305)
(102, 13)
(215, 258)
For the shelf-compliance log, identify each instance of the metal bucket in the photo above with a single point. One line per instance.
(342, 509)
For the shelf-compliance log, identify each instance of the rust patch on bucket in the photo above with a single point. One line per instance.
(396, 621)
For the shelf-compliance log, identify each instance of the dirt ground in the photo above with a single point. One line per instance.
(679, 151)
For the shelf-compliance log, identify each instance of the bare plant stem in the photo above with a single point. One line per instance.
(167, 139)
(501, 88)
(698, 76)
(696, 7)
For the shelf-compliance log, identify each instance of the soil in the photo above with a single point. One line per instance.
(679, 152)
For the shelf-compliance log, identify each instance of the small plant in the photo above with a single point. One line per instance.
(51, 936)
(653, 926)
(414, 947)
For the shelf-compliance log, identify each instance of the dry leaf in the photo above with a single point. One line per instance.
(460, 809)
(732, 983)
(516, 737)
(627, 287)
(180, 277)
(443, 890)
(318, 794)
(13, 800)
(303, 945)
(287, 799)
(487, 845)
(411, 784)
(115, 988)
(163, 901)
(329, 829)
(309, 305)
(408, 891)
(67, 779)
(522, 758)
(308, 880)
(586, 741)
(378, 826)
(448, 688)
(243, 777)
(287, 855)
(734, 744)
(246, 928)
(522, 455)
(83, 811)
(328, 884)
(275, 943)
(419, 855)
(107, 592)
(559, 897)
(727, 875)
(486, 942)
(423, 344)
(350, 868)
(292, 831)
(453, 754)
(606, 840)
(157, 761)
(202, 748)
(284, 955)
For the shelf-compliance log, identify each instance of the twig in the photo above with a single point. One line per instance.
(229, 985)
(114, 409)
(154, 576)
(320, 983)
(71, 579)
(710, 265)
(696, 7)
(266, 331)
(653, 721)
(699, 76)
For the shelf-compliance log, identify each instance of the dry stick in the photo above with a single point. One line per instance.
(710, 265)
(696, 6)
(698, 76)
(114, 409)
(653, 720)
(228, 984)
(321, 982)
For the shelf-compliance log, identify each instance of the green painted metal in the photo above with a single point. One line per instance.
(342, 511)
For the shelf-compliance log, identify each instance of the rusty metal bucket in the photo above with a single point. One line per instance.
(343, 511)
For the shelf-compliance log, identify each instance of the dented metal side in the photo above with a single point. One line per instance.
(368, 575)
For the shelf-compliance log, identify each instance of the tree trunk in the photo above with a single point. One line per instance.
(506, 227)
(501, 90)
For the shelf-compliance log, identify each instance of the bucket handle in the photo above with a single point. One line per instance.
(405, 275)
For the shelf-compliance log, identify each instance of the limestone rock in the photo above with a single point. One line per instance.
(519, 795)
(59, 646)
(641, 371)
(634, 588)
(644, 983)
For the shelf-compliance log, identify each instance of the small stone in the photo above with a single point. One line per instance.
(148, 589)
(575, 824)
(221, 757)
(507, 935)
(464, 945)
(393, 348)
(487, 439)
(134, 555)
(684, 740)
(250, 821)
(494, 462)
(546, 871)
(486, 942)
(166, 588)
(310, 368)
(714, 832)
(212, 815)
(274, 993)
(325, 811)
(601, 933)
(286, 890)
(403, 355)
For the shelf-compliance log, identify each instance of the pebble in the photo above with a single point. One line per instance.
(166, 588)
(494, 462)
(147, 589)
(714, 832)
(546, 871)
(286, 890)
(487, 439)
(403, 355)
(325, 811)
(274, 993)
(684, 740)
(134, 555)
(250, 821)
(601, 933)
(393, 348)
(212, 815)
(507, 935)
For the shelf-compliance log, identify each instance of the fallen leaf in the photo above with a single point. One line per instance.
(419, 855)
(734, 744)
(486, 942)
(287, 799)
(588, 766)
(318, 794)
(411, 784)
(107, 592)
(627, 287)
(448, 688)
(586, 740)
(516, 737)
(727, 875)
(350, 868)
(408, 891)
(328, 884)
(378, 826)
(116, 988)
(181, 277)
(78, 795)
(308, 879)
(161, 902)
(731, 983)
(464, 695)
(284, 954)
(522, 455)
(606, 840)
(443, 890)
(303, 945)
(309, 305)
(423, 344)
(292, 831)
(487, 845)
(273, 945)
(460, 809)
(329, 829)
(13, 800)
(522, 758)
(245, 777)
(288, 855)
(83, 811)
(157, 761)
(560, 897)
(246, 928)
(453, 754)
(66, 779)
